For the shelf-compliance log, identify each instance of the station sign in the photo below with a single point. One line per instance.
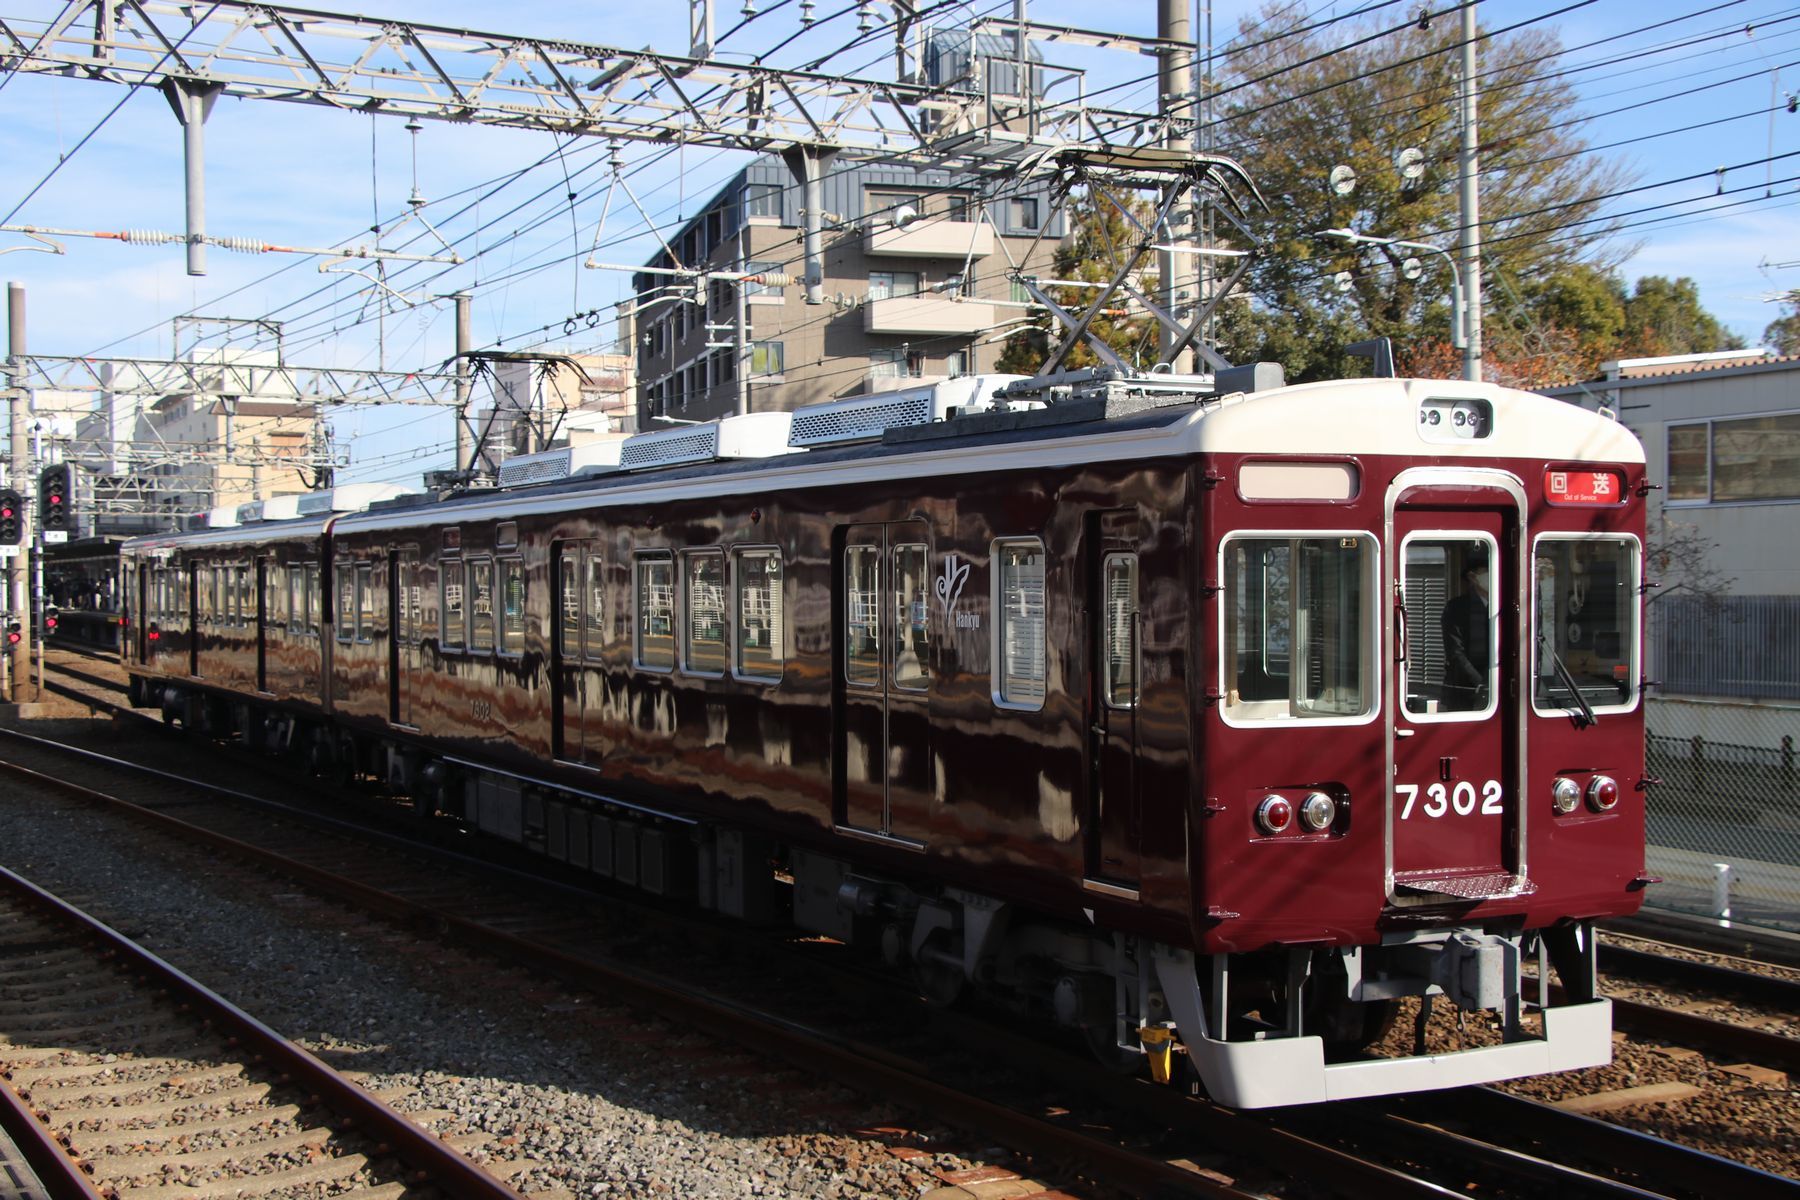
(1583, 487)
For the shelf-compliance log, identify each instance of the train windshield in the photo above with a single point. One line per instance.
(1584, 623)
(1298, 641)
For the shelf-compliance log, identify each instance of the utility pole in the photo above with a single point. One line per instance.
(1175, 99)
(740, 353)
(193, 103)
(18, 568)
(1471, 201)
(465, 342)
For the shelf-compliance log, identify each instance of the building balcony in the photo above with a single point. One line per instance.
(930, 238)
(926, 314)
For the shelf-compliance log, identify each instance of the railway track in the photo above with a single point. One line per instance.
(123, 1074)
(1367, 1150)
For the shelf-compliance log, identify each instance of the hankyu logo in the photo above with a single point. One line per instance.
(949, 588)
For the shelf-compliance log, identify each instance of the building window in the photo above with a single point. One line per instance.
(703, 642)
(450, 608)
(767, 358)
(766, 290)
(762, 199)
(512, 606)
(896, 364)
(655, 612)
(1738, 460)
(1025, 213)
(959, 207)
(761, 647)
(884, 285)
(959, 363)
(883, 206)
(1020, 659)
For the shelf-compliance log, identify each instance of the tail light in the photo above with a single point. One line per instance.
(1318, 811)
(1274, 814)
(1565, 794)
(1602, 793)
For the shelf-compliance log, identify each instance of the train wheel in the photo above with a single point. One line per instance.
(940, 982)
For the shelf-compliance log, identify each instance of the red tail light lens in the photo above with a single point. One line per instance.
(1274, 814)
(1602, 793)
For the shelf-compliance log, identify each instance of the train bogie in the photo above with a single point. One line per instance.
(1220, 721)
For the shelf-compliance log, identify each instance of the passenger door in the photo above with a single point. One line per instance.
(406, 614)
(1114, 665)
(1454, 828)
(883, 734)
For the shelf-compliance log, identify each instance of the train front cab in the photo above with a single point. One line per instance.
(1425, 748)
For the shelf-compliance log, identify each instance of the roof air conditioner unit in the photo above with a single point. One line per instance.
(548, 465)
(862, 418)
(752, 435)
(347, 497)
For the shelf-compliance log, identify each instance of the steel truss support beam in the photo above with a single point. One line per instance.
(248, 381)
(408, 69)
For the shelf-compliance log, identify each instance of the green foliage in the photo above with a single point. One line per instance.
(1783, 333)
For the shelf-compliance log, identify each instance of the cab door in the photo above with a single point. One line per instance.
(1454, 824)
(883, 730)
(1114, 637)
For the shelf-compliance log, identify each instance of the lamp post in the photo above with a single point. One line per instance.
(1459, 320)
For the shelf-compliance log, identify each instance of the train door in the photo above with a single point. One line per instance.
(1454, 829)
(1113, 663)
(194, 583)
(883, 735)
(406, 612)
(567, 699)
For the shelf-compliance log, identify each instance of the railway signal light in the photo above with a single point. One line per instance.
(12, 514)
(14, 633)
(50, 616)
(56, 498)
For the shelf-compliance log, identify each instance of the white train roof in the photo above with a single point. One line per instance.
(1360, 416)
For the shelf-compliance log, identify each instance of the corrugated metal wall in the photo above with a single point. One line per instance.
(1742, 646)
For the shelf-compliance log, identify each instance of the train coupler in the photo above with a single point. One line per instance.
(1158, 1041)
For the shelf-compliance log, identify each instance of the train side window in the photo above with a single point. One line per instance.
(568, 604)
(655, 612)
(1584, 623)
(343, 582)
(912, 639)
(761, 643)
(365, 602)
(594, 612)
(296, 586)
(246, 581)
(1119, 672)
(275, 595)
(315, 598)
(512, 606)
(481, 605)
(862, 616)
(450, 610)
(703, 632)
(1299, 642)
(1020, 656)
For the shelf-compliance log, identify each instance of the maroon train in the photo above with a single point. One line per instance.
(1185, 718)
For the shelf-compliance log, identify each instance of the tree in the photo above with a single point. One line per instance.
(1666, 316)
(1783, 333)
(1309, 100)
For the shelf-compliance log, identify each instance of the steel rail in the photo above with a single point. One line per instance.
(447, 1169)
(62, 1177)
(812, 1051)
(1674, 1166)
(1751, 985)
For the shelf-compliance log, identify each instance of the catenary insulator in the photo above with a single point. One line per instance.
(149, 237)
(241, 244)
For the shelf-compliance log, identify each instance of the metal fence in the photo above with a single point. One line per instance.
(1738, 646)
(1724, 822)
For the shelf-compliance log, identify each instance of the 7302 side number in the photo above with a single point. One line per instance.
(1461, 799)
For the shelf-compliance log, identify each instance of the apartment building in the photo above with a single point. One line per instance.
(919, 284)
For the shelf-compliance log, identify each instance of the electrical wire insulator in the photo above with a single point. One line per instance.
(771, 279)
(149, 237)
(242, 245)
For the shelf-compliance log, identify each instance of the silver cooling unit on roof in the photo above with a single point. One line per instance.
(548, 465)
(862, 418)
(346, 497)
(752, 435)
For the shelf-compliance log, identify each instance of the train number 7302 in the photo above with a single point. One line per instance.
(1461, 799)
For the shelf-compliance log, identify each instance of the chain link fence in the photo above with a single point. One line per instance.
(1724, 822)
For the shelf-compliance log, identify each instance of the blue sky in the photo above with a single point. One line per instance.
(304, 175)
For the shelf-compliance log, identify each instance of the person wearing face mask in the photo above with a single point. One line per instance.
(1468, 652)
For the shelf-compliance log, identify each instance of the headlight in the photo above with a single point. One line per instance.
(1565, 794)
(1318, 811)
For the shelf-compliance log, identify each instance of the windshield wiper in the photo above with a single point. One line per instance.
(1568, 680)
